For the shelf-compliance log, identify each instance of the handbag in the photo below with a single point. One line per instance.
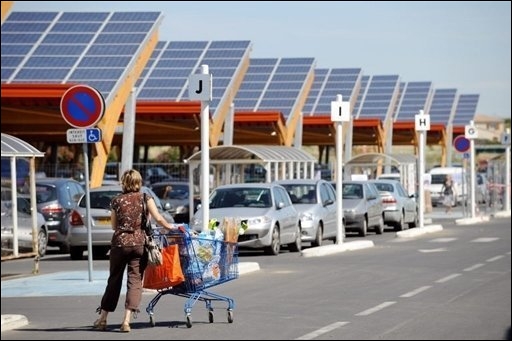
(168, 274)
(153, 249)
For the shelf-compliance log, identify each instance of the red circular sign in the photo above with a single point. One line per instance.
(82, 106)
(461, 144)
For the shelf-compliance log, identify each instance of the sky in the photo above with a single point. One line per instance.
(464, 45)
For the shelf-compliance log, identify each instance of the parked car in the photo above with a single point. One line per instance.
(55, 199)
(100, 213)
(175, 198)
(266, 208)
(24, 214)
(400, 209)
(152, 175)
(315, 201)
(362, 207)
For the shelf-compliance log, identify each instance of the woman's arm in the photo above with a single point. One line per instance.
(153, 210)
(113, 219)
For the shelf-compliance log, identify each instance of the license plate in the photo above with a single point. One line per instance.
(103, 221)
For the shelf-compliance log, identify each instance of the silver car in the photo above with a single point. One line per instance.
(271, 218)
(315, 200)
(400, 209)
(25, 242)
(101, 228)
(362, 207)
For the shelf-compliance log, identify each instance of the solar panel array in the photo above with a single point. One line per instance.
(76, 47)
(379, 98)
(327, 85)
(414, 97)
(465, 110)
(442, 105)
(273, 84)
(360, 96)
(165, 77)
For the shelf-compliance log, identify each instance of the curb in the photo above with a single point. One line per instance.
(13, 321)
(336, 248)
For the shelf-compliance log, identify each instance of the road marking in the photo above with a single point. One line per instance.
(474, 267)
(494, 258)
(323, 330)
(416, 291)
(442, 240)
(441, 249)
(375, 309)
(447, 278)
(484, 240)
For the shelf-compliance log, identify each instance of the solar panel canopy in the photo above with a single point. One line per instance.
(327, 85)
(379, 97)
(442, 105)
(165, 77)
(465, 110)
(415, 96)
(91, 48)
(273, 84)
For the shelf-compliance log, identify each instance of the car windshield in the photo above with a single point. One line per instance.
(240, 197)
(171, 191)
(45, 193)
(301, 194)
(352, 191)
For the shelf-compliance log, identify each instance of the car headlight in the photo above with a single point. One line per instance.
(257, 220)
(307, 216)
(181, 209)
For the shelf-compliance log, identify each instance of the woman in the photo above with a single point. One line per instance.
(447, 191)
(127, 249)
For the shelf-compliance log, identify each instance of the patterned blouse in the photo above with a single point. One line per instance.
(128, 210)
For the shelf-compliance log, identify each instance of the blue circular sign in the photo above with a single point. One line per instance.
(461, 144)
(82, 106)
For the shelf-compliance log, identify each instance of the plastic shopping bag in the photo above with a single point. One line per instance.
(168, 274)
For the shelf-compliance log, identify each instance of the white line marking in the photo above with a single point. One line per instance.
(447, 278)
(474, 267)
(323, 330)
(442, 240)
(375, 309)
(494, 258)
(484, 240)
(416, 291)
(441, 249)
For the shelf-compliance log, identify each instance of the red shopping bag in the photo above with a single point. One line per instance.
(166, 275)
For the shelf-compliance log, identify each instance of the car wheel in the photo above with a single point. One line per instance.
(275, 243)
(364, 229)
(318, 236)
(415, 222)
(42, 242)
(296, 246)
(379, 229)
(400, 226)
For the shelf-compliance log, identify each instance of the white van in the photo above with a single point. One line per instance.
(438, 176)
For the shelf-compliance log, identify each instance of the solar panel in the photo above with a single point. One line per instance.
(442, 105)
(273, 84)
(89, 48)
(414, 97)
(327, 85)
(465, 110)
(379, 99)
(166, 74)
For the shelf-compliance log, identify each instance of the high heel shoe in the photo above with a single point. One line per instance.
(125, 328)
(100, 324)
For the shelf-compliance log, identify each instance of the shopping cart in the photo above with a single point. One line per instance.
(205, 262)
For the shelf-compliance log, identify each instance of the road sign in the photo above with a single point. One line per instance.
(200, 87)
(461, 144)
(470, 132)
(91, 135)
(82, 106)
(505, 138)
(340, 111)
(422, 122)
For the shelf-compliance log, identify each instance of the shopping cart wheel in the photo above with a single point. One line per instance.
(189, 321)
(151, 321)
(230, 316)
(210, 316)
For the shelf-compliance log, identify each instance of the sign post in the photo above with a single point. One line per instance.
(200, 88)
(505, 140)
(82, 107)
(422, 125)
(471, 134)
(340, 112)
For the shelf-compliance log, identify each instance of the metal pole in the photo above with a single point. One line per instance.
(205, 157)
(87, 212)
(507, 173)
(421, 171)
(472, 173)
(339, 178)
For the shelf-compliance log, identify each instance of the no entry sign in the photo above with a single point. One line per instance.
(82, 106)
(461, 144)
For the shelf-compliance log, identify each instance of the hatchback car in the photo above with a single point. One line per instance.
(100, 213)
(315, 200)
(175, 197)
(362, 207)
(55, 199)
(400, 209)
(266, 208)
(25, 240)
